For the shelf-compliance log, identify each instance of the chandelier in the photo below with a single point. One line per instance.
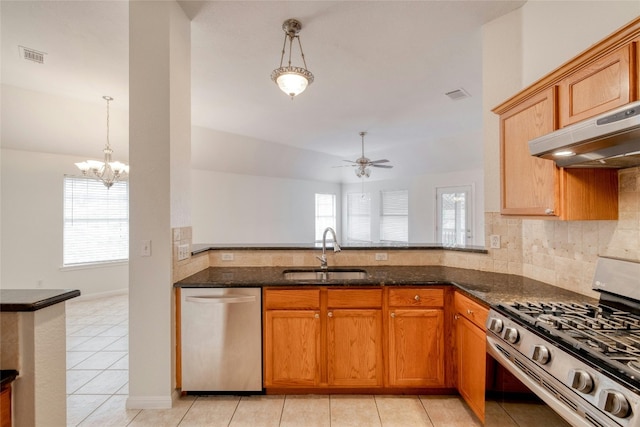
(106, 171)
(292, 80)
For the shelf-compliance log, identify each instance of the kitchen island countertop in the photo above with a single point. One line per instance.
(490, 288)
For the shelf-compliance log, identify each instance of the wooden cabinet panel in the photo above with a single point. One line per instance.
(589, 194)
(5, 407)
(416, 347)
(292, 348)
(471, 352)
(354, 298)
(528, 183)
(354, 348)
(292, 298)
(598, 87)
(416, 297)
(470, 309)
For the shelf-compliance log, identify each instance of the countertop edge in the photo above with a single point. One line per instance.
(200, 248)
(20, 300)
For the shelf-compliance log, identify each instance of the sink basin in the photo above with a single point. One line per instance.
(319, 275)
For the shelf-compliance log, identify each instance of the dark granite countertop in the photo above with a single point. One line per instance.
(33, 299)
(491, 288)
(7, 376)
(203, 247)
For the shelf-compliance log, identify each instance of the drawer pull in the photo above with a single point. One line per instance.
(330, 314)
(417, 298)
(470, 312)
(316, 316)
(393, 315)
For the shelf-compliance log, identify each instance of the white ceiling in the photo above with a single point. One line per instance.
(380, 66)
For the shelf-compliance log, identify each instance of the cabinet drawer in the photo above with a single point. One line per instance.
(416, 297)
(292, 298)
(470, 309)
(354, 298)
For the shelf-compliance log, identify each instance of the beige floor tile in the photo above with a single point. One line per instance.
(79, 407)
(120, 344)
(106, 382)
(115, 331)
(307, 410)
(527, 414)
(101, 360)
(90, 331)
(354, 411)
(124, 390)
(449, 411)
(94, 344)
(73, 342)
(77, 378)
(211, 411)
(112, 413)
(402, 411)
(496, 416)
(75, 357)
(121, 363)
(258, 411)
(164, 417)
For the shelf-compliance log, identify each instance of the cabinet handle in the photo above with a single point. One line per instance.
(330, 314)
(456, 317)
(316, 316)
(393, 315)
(469, 311)
(417, 298)
(549, 211)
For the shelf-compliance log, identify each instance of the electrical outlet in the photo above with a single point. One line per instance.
(145, 248)
(381, 256)
(177, 235)
(494, 241)
(183, 252)
(227, 256)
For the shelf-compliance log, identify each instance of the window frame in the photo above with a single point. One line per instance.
(319, 230)
(384, 213)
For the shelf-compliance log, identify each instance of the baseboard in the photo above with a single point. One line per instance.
(105, 294)
(151, 402)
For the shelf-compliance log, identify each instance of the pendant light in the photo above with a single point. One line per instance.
(292, 80)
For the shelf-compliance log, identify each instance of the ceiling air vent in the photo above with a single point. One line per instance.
(32, 55)
(457, 94)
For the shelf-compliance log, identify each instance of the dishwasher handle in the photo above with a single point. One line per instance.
(221, 299)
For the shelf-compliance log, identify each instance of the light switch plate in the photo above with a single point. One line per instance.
(183, 252)
(381, 256)
(227, 256)
(145, 248)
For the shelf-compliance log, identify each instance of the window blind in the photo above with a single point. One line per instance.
(359, 217)
(325, 213)
(394, 216)
(96, 221)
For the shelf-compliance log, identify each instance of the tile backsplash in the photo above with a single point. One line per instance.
(564, 253)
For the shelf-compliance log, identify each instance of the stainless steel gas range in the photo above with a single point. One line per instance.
(583, 360)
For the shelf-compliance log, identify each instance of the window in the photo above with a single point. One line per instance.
(359, 217)
(394, 216)
(325, 213)
(96, 221)
(454, 215)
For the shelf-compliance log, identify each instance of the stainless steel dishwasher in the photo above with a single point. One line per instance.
(221, 334)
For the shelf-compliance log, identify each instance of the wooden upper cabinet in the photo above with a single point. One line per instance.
(528, 183)
(600, 86)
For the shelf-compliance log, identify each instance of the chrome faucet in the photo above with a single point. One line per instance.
(336, 247)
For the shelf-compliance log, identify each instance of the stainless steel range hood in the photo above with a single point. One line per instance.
(610, 140)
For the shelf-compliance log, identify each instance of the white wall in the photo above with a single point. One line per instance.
(422, 202)
(31, 229)
(232, 208)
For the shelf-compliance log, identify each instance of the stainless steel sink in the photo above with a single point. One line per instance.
(320, 275)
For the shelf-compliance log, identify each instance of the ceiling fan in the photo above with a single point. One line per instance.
(363, 164)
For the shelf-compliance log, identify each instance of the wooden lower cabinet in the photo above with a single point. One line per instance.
(354, 348)
(471, 352)
(416, 347)
(5, 407)
(292, 348)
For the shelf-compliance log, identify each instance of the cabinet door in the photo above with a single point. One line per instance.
(354, 347)
(416, 347)
(596, 88)
(292, 348)
(471, 351)
(528, 183)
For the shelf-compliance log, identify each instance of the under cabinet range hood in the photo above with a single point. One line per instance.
(610, 140)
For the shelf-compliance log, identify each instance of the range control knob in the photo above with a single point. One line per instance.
(495, 325)
(541, 354)
(581, 380)
(511, 335)
(615, 403)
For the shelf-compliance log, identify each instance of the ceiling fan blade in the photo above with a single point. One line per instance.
(379, 161)
(343, 166)
(382, 166)
(349, 161)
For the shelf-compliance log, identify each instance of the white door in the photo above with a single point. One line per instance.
(454, 215)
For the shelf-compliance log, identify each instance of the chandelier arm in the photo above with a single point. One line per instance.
(284, 48)
(301, 52)
(108, 99)
(290, 48)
